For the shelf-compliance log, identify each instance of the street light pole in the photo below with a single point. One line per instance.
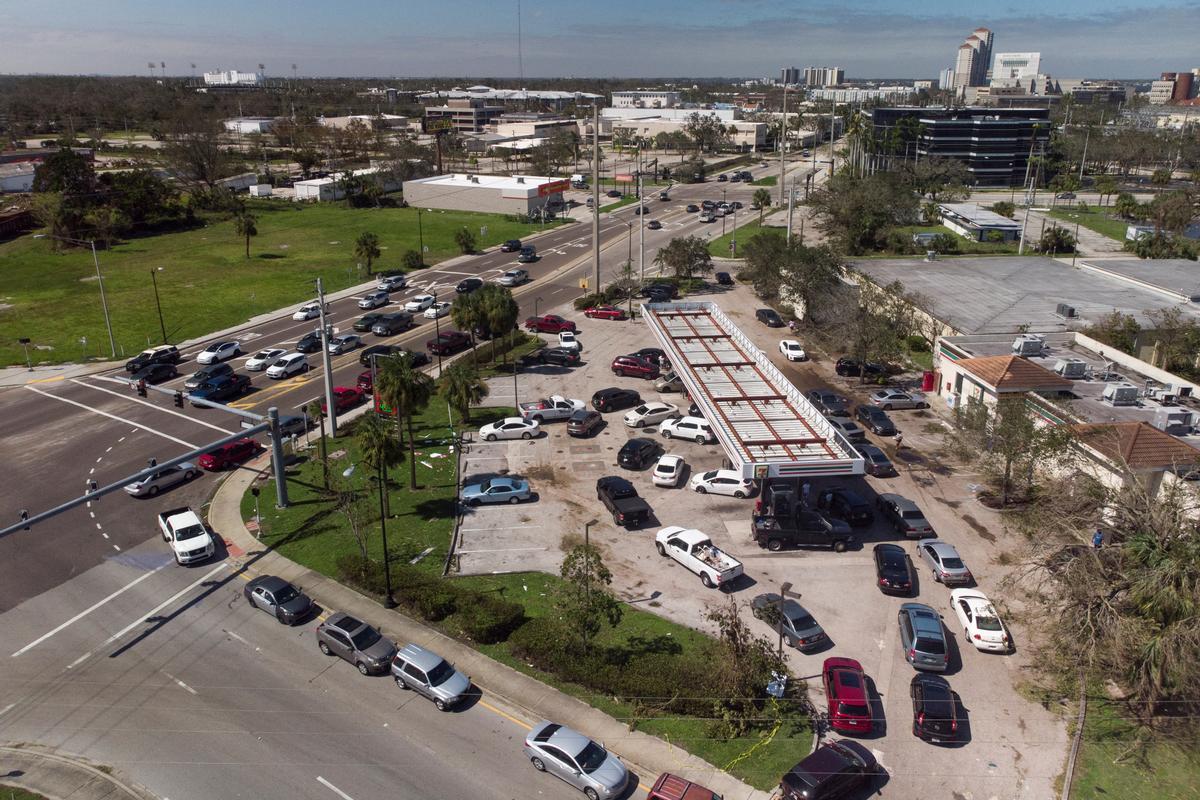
(420, 236)
(330, 409)
(158, 305)
(641, 232)
(587, 546)
(437, 334)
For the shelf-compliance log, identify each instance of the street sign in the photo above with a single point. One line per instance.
(247, 424)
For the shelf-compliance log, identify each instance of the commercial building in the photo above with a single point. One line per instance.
(233, 77)
(513, 97)
(946, 78)
(333, 187)
(643, 98)
(993, 143)
(789, 76)
(532, 125)
(1015, 69)
(464, 115)
(862, 95)
(973, 221)
(1175, 87)
(1088, 92)
(245, 125)
(824, 76)
(922, 86)
(372, 121)
(503, 194)
(974, 59)
(743, 135)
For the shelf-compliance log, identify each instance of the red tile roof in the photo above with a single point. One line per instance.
(1140, 445)
(1013, 374)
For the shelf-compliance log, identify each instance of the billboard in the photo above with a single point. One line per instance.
(553, 187)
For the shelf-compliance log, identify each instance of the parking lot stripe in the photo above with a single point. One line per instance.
(503, 549)
(137, 425)
(86, 611)
(333, 788)
(507, 528)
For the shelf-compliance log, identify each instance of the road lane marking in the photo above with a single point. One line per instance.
(46, 380)
(7, 708)
(136, 425)
(333, 788)
(503, 528)
(508, 717)
(144, 617)
(181, 683)
(144, 403)
(86, 611)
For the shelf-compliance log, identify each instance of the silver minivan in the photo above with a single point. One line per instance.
(922, 637)
(430, 675)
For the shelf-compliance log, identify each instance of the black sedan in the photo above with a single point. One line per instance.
(827, 402)
(364, 323)
(692, 208)
(309, 342)
(769, 317)
(875, 420)
(654, 355)
(225, 387)
(279, 598)
(615, 399)
(559, 356)
(934, 709)
(853, 367)
(638, 453)
(156, 373)
(893, 570)
(468, 285)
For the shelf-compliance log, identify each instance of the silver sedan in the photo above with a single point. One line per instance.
(945, 563)
(163, 479)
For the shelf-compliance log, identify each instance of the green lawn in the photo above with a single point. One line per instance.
(1165, 772)
(770, 180)
(206, 283)
(719, 247)
(1096, 219)
(965, 246)
(313, 533)
(17, 793)
(628, 199)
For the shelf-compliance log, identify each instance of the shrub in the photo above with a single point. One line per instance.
(366, 574)
(487, 619)
(540, 642)
(993, 236)
(945, 243)
(408, 585)
(589, 300)
(917, 344)
(412, 260)
(436, 603)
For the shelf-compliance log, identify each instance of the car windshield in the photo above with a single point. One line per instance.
(591, 757)
(285, 594)
(802, 621)
(439, 674)
(365, 638)
(952, 563)
(911, 513)
(934, 646)
(190, 532)
(853, 710)
(642, 410)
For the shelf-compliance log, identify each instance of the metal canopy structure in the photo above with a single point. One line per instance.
(766, 426)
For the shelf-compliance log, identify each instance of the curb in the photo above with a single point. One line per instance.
(58, 775)
(508, 686)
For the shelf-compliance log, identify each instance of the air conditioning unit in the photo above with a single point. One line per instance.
(1064, 310)
(1029, 344)
(1121, 394)
(1173, 421)
(1071, 367)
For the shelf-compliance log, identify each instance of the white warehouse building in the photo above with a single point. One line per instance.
(504, 194)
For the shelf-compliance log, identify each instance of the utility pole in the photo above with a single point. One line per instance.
(596, 193)
(791, 204)
(1024, 222)
(330, 410)
(641, 233)
(281, 495)
(832, 112)
(782, 143)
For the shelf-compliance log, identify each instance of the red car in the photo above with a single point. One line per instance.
(448, 343)
(673, 787)
(606, 312)
(549, 323)
(632, 365)
(344, 398)
(227, 455)
(366, 382)
(846, 692)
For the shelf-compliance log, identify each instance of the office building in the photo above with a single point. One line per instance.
(922, 86)
(824, 76)
(946, 78)
(549, 98)
(852, 94)
(974, 59)
(233, 78)
(501, 194)
(993, 143)
(789, 76)
(465, 115)
(645, 99)
(1175, 87)
(1015, 69)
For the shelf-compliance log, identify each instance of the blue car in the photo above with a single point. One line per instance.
(496, 490)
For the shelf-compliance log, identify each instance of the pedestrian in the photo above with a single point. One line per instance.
(805, 488)
(899, 438)
(792, 325)
(1098, 539)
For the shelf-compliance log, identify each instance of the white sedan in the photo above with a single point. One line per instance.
(979, 619)
(419, 303)
(439, 309)
(668, 470)
(264, 358)
(723, 481)
(792, 350)
(569, 340)
(309, 311)
(510, 428)
(344, 343)
(650, 414)
(219, 351)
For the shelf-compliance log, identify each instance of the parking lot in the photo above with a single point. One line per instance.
(997, 724)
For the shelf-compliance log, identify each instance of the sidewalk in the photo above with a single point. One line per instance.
(535, 700)
(59, 776)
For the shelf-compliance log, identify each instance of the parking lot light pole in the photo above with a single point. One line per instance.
(157, 304)
(437, 334)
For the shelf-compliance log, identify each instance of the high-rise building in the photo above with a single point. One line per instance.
(1015, 69)
(824, 76)
(946, 78)
(974, 59)
(789, 76)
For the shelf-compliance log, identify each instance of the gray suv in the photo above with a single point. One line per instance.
(429, 674)
(357, 642)
(922, 638)
(904, 515)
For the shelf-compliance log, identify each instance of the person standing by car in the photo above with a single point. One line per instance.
(899, 439)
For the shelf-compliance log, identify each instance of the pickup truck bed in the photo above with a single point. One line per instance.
(694, 550)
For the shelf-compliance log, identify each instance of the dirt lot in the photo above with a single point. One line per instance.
(1012, 748)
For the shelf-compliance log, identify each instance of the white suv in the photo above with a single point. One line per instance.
(694, 428)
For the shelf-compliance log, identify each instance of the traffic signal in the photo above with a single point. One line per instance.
(141, 387)
(179, 399)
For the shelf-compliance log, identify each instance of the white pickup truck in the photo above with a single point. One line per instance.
(695, 550)
(187, 534)
(553, 407)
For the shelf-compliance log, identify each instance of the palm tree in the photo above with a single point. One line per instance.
(379, 449)
(467, 314)
(462, 388)
(408, 392)
(502, 312)
(245, 227)
(761, 199)
(314, 412)
(367, 249)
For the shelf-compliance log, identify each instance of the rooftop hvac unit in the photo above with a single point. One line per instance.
(1064, 310)
(1173, 421)
(1121, 394)
(1029, 344)
(1071, 367)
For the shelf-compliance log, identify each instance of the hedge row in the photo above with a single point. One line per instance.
(481, 617)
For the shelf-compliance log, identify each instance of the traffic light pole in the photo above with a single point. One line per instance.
(331, 410)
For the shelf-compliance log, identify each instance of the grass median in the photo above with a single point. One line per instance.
(204, 280)
(720, 246)
(314, 532)
(1094, 219)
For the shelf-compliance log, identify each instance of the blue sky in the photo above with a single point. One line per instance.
(564, 38)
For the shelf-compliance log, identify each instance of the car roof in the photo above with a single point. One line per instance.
(924, 618)
(272, 583)
(892, 549)
(419, 657)
(898, 500)
(670, 458)
(344, 622)
(560, 736)
(940, 546)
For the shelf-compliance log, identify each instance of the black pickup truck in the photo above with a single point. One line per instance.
(621, 498)
(802, 529)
